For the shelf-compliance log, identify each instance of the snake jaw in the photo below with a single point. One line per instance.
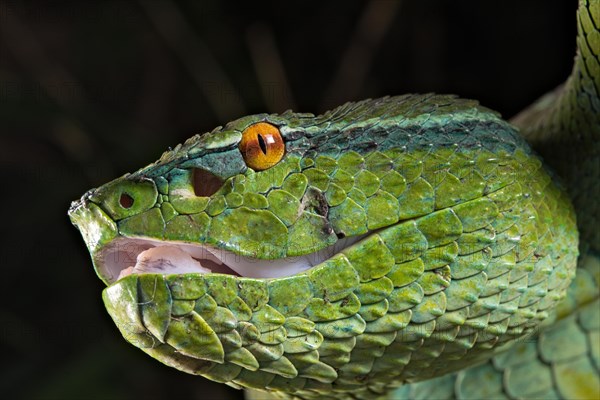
(226, 232)
(116, 255)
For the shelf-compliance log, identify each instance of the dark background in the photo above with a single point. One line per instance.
(91, 90)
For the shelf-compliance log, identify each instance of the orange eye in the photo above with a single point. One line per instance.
(262, 146)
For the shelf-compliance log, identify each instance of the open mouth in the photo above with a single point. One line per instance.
(126, 256)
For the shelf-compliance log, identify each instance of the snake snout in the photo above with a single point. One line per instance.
(81, 202)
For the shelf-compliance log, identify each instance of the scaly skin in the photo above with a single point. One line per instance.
(473, 248)
(564, 360)
(469, 247)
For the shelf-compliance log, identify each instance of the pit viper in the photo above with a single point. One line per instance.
(403, 247)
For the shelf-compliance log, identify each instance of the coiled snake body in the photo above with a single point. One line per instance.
(408, 247)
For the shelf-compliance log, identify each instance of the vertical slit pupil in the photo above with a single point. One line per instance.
(262, 144)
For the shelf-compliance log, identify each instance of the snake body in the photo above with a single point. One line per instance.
(443, 242)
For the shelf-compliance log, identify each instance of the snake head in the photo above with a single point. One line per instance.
(228, 198)
(299, 252)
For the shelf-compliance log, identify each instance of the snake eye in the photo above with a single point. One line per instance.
(262, 146)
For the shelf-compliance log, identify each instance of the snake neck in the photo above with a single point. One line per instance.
(564, 126)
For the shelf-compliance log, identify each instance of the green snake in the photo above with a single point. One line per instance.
(407, 247)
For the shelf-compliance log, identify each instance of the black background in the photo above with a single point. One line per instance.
(91, 90)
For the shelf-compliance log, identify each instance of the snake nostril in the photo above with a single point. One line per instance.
(126, 201)
(205, 182)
